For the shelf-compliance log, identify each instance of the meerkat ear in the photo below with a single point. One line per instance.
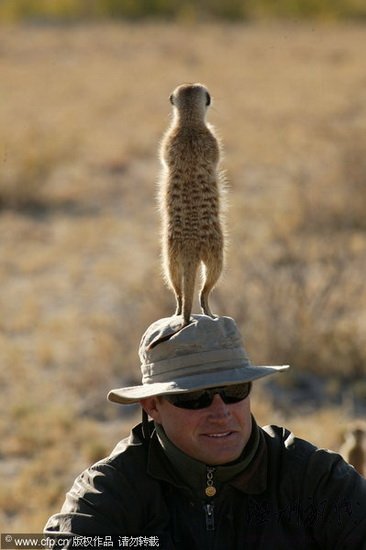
(171, 99)
(208, 99)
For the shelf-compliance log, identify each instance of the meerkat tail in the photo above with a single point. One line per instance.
(189, 277)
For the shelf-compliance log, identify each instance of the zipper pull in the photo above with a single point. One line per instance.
(210, 488)
(210, 519)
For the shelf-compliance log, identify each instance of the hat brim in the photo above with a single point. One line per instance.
(227, 377)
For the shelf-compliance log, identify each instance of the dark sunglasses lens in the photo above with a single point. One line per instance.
(192, 401)
(202, 399)
(234, 394)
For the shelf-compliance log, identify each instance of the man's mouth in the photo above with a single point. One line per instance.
(218, 435)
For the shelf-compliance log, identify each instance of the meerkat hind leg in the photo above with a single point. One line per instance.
(204, 303)
(178, 309)
(211, 273)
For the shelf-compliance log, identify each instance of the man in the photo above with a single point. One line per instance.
(201, 474)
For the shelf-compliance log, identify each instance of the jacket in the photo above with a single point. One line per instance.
(291, 495)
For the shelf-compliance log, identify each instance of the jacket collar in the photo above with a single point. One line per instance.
(251, 479)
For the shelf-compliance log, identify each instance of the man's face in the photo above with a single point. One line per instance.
(214, 435)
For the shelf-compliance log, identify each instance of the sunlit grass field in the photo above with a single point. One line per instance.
(82, 111)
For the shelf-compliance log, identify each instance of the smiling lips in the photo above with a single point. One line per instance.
(224, 434)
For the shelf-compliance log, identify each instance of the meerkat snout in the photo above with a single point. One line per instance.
(191, 186)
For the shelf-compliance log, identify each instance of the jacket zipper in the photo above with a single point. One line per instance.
(210, 518)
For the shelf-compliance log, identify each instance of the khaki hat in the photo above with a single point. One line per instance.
(204, 354)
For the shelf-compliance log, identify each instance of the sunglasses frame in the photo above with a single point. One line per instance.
(205, 397)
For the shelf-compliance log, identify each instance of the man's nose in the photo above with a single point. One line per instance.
(218, 409)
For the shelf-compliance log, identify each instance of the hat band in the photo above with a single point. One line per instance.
(170, 369)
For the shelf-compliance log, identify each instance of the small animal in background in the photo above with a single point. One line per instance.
(353, 449)
(190, 198)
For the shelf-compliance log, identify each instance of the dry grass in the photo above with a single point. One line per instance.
(82, 110)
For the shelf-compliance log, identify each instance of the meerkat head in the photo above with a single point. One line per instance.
(191, 100)
(358, 434)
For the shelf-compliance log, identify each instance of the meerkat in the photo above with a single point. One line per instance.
(190, 199)
(353, 450)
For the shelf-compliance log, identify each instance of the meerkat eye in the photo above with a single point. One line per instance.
(171, 99)
(208, 99)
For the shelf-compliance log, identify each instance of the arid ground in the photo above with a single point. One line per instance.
(82, 111)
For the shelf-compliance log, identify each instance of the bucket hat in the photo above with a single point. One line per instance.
(204, 354)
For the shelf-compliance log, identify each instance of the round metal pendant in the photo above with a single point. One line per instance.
(210, 491)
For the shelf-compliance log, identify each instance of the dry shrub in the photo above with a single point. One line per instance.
(300, 305)
(80, 270)
(332, 200)
(37, 448)
(28, 166)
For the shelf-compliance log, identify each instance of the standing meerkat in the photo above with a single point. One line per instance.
(190, 200)
(353, 450)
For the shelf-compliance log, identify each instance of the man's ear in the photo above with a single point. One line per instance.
(151, 407)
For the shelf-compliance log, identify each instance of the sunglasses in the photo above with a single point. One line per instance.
(201, 399)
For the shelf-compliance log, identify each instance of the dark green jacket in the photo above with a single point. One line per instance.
(291, 495)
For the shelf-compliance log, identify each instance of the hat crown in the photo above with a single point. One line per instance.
(167, 350)
(202, 334)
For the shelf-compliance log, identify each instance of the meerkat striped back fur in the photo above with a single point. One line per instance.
(190, 200)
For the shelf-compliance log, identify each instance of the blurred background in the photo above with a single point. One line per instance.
(84, 103)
